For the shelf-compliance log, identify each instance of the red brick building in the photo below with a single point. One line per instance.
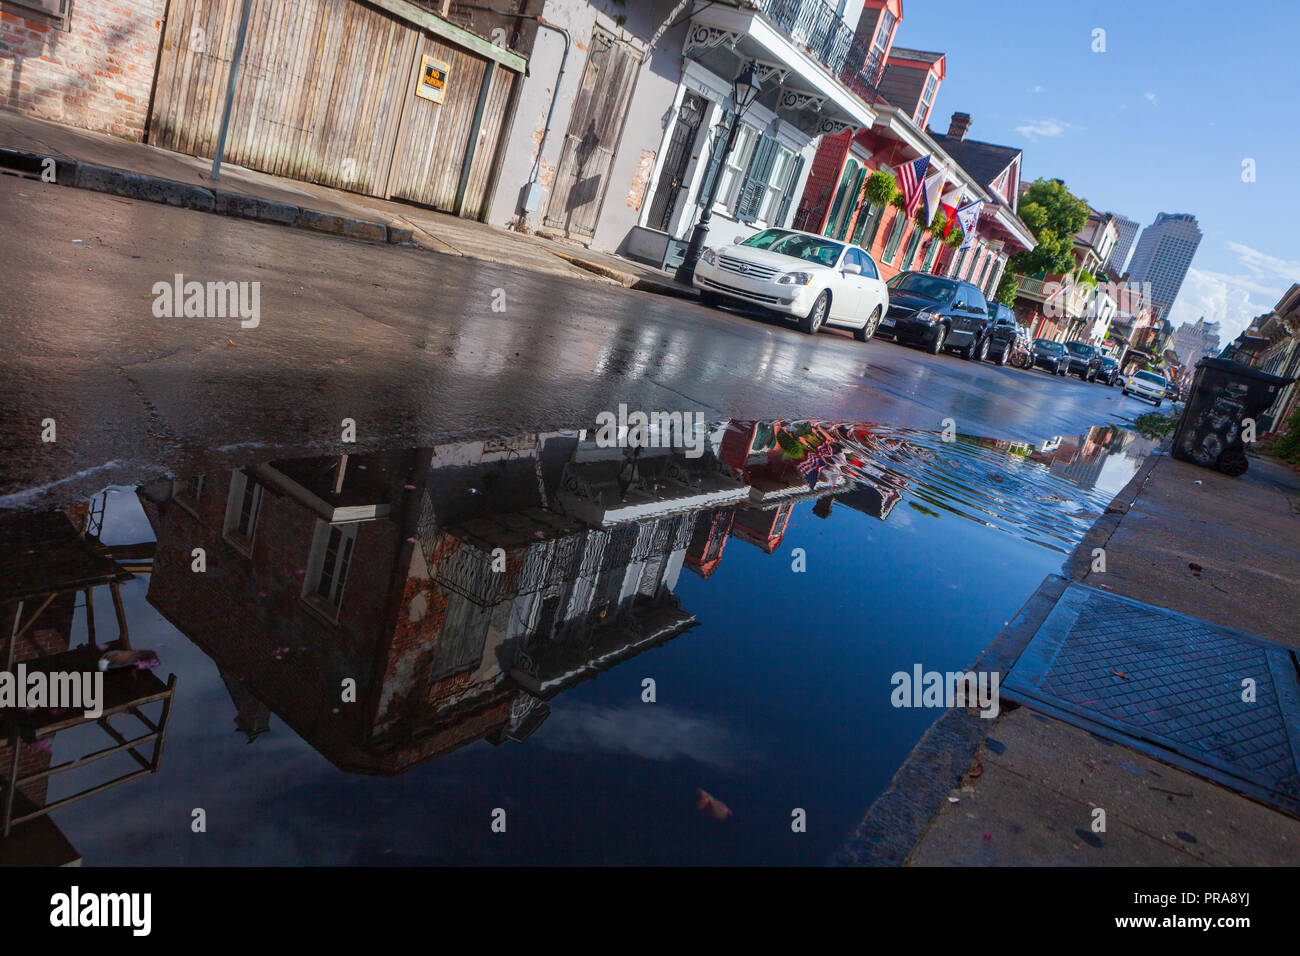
(88, 64)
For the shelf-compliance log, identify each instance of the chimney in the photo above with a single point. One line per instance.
(959, 125)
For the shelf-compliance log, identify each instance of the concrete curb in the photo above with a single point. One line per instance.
(121, 182)
(629, 280)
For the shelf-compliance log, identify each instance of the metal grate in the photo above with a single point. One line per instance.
(1170, 685)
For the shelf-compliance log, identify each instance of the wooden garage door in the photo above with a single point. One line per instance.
(431, 146)
(326, 94)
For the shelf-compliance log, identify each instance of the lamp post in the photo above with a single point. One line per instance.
(744, 90)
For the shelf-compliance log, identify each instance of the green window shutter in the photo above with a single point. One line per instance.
(865, 217)
(754, 185)
(912, 244)
(931, 254)
(852, 200)
(895, 235)
(790, 187)
(715, 161)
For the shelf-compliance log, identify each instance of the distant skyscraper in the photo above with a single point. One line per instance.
(1163, 255)
(1196, 340)
(1128, 230)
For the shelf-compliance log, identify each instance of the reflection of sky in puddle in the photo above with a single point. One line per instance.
(778, 699)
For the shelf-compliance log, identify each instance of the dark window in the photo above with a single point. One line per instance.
(59, 11)
(868, 265)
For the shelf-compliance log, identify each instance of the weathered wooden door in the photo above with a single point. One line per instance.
(595, 125)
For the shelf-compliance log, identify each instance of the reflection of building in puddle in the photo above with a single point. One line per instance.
(47, 562)
(455, 588)
(1081, 458)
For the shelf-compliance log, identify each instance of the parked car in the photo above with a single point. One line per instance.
(1005, 334)
(1084, 360)
(1050, 355)
(1147, 385)
(1107, 371)
(816, 280)
(936, 312)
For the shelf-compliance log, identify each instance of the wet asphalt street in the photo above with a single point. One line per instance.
(408, 344)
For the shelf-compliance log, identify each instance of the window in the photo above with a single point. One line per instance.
(736, 165)
(188, 494)
(823, 252)
(869, 269)
(975, 301)
(777, 184)
(243, 506)
(327, 566)
(58, 11)
(923, 109)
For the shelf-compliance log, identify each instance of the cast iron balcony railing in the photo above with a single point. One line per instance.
(814, 25)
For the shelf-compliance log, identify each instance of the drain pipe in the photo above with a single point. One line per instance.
(530, 200)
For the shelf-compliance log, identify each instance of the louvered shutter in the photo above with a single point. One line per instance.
(715, 161)
(755, 183)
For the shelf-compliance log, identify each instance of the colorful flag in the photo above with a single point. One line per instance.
(911, 178)
(968, 218)
(810, 466)
(951, 200)
(933, 186)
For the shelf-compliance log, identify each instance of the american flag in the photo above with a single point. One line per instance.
(911, 178)
(811, 465)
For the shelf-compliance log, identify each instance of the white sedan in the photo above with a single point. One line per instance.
(814, 279)
(1148, 385)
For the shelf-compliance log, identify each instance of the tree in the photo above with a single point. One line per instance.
(1007, 288)
(1053, 215)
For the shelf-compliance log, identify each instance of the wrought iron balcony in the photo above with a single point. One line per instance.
(815, 26)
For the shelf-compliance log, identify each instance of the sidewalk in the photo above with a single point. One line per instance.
(1023, 789)
(145, 172)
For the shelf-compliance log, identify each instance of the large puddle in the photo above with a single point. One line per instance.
(528, 650)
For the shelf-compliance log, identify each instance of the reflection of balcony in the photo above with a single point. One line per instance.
(814, 25)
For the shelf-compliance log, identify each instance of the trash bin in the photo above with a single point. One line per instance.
(1223, 395)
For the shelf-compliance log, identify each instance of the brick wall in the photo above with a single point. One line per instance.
(823, 179)
(95, 74)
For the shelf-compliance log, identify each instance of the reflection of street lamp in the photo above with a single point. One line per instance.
(744, 90)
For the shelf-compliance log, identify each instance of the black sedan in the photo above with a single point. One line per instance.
(936, 313)
(1051, 356)
(1084, 360)
(1107, 371)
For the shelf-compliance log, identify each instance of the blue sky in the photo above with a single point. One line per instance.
(1159, 122)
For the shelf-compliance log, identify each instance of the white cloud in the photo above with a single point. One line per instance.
(1048, 128)
(1152, 98)
(1235, 298)
(1036, 89)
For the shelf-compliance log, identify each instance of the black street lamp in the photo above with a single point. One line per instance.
(744, 90)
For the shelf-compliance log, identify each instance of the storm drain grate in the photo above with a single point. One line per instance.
(1171, 686)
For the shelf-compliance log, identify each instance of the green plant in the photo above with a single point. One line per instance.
(1155, 424)
(1287, 447)
(938, 223)
(880, 188)
(1008, 286)
(955, 238)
